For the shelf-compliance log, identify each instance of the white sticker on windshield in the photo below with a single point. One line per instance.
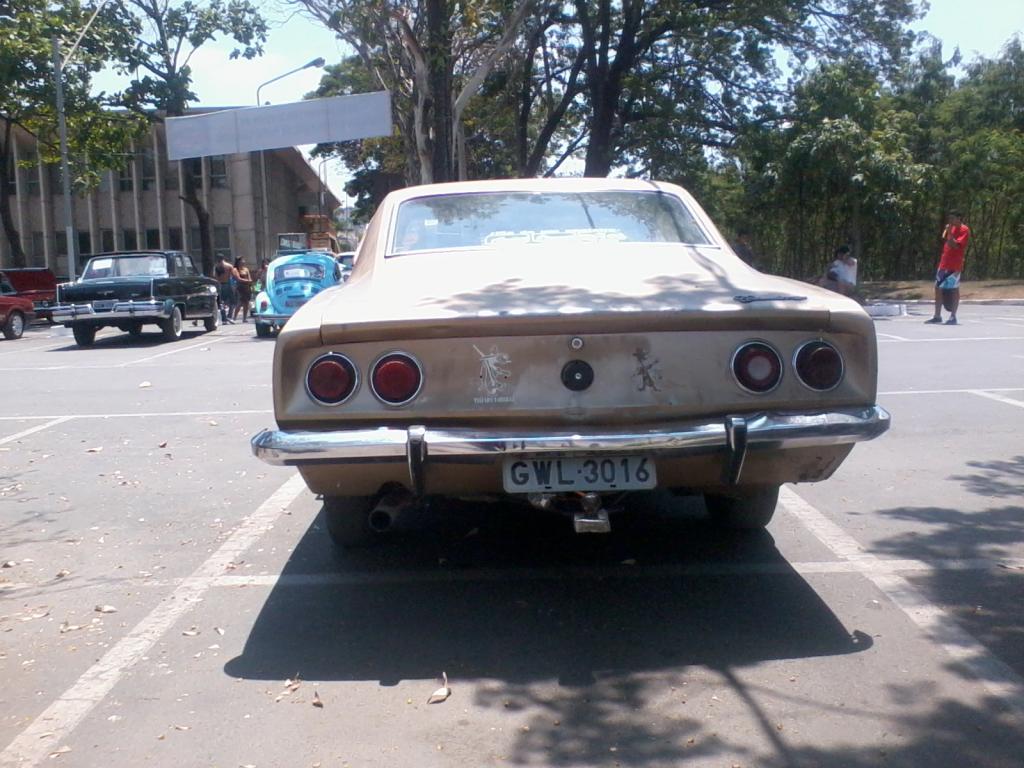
(102, 263)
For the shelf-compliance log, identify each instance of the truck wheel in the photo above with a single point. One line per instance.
(348, 520)
(264, 331)
(15, 326)
(212, 323)
(172, 325)
(85, 335)
(743, 509)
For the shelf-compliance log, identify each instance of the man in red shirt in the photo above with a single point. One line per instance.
(947, 278)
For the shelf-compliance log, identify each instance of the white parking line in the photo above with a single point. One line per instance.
(998, 398)
(991, 672)
(145, 415)
(949, 391)
(176, 350)
(951, 338)
(33, 430)
(59, 719)
(892, 336)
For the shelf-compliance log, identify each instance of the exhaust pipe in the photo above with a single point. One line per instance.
(388, 513)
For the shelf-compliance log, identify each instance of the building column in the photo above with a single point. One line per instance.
(186, 225)
(95, 242)
(137, 198)
(158, 162)
(115, 213)
(44, 213)
(20, 196)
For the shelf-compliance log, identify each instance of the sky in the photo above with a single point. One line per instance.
(293, 40)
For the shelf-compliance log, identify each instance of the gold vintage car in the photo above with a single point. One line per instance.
(564, 342)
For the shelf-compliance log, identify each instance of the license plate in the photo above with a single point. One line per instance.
(105, 305)
(608, 473)
(294, 302)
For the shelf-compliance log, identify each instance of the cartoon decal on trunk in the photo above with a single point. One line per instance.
(647, 374)
(494, 376)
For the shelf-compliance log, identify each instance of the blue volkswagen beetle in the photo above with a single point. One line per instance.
(291, 281)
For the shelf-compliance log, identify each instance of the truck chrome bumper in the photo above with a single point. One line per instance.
(417, 445)
(121, 310)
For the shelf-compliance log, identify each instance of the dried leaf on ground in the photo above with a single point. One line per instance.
(316, 700)
(162, 445)
(145, 385)
(9, 564)
(62, 573)
(191, 632)
(442, 693)
(65, 627)
(183, 727)
(60, 751)
(95, 449)
(219, 631)
(105, 609)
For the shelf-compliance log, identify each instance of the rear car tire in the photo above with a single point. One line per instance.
(171, 327)
(348, 520)
(85, 335)
(212, 323)
(744, 509)
(15, 325)
(264, 331)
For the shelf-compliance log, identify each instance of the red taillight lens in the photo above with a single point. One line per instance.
(264, 305)
(331, 379)
(396, 379)
(819, 365)
(757, 367)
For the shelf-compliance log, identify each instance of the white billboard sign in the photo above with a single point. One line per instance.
(229, 131)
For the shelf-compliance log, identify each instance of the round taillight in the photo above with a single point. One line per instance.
(819, 365)
(396, 379)
(757, 367)
(264, 305)
(331, 379)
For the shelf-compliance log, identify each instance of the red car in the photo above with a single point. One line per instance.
(38, 284)
(15, 312)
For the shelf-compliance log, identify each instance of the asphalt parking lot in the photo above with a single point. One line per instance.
(168, 600)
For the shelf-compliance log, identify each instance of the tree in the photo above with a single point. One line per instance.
(709, 65)
(27, 96)
(171, 35)
(433, 55)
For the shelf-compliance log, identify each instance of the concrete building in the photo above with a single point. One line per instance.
(139, 207)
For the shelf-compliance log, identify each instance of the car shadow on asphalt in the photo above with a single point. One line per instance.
(147, 340)
(502, 592)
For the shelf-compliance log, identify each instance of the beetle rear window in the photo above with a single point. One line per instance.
(299, 272)
(494, 219)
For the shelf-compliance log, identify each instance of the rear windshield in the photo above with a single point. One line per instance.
(299, 271)
(142, 265)
(498, 218)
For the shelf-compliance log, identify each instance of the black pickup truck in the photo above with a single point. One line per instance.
(130, 289)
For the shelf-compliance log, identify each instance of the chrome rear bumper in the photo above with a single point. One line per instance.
(417, 444)
(121, 310)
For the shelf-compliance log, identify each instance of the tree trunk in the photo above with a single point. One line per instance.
(439, 77)
(194, 201)
(13, 237)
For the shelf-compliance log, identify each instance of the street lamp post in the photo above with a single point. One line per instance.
(317, 62)
(62, 129)
(71, 245)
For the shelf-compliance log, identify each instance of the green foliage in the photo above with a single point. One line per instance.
(27, 94)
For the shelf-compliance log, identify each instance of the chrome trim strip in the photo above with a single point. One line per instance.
(267, 319)
(764, 430)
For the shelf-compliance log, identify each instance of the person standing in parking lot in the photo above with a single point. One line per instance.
(947, 279)
(243, 290)
(224, 273)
